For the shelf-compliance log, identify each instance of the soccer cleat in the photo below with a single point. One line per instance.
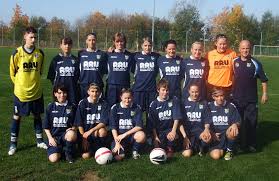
(42, 145)
(69, 158)
(252, 149)
(12, 150)
(228, 155)
(136, 155)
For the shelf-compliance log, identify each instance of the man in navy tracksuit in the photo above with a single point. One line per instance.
(246, 72)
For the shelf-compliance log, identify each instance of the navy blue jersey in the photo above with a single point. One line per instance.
(65, 71)
(194, 72)
(163, 113)
(119, 68)
(245, 79)
(145, 71)
(223, 116)
(196, 115)
(124, 119)
(92, 66)
(89, 114)
(170, 69)
(58, 118)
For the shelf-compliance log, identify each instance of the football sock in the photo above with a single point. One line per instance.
(137, 146)
(230, 144)
(38, 129)
(14, 131)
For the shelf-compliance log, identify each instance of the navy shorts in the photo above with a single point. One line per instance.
(113, 93)
(164, 140)
(24, 108)
(220, 145)
(196, 142)
(144, 98)
(60, 140)
(127, 144)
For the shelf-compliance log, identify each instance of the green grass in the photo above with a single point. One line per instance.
(30, 163)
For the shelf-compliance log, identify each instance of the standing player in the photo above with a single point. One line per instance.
(220, 66)
(164, 116)
(119, 63)
(91, 119)
(195, 71)
(64, 70)
(92, 65)
(26, 65)
(246, 72)
(58, 126)
(145, 72)
(126, 124)
(197, 123)
(226, 123)
(170, 68)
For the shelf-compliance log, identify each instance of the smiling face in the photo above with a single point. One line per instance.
(119, 43)
(171, 50)
(61, 96)
(91, 42)
(197, 50)
(194, 93)
(163, 93)
(219, 97)
(66, 48)
(94, 93)
(244, 49)
(146, 47)
(126, 99)
(221, 45)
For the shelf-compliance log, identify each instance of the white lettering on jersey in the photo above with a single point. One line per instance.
(125, 124)
(66, 71)
(120, 66)
(194, 116)
(91, 65)
(93, 118)
(60, 122)
(146, 67)
(196, 73)
(172, 70)
(220, 120)
(165, 115)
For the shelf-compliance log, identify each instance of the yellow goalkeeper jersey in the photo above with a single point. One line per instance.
(25, 72)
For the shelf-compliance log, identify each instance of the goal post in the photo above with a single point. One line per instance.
(265, 50)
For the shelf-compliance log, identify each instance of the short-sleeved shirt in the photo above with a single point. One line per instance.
(145, 71)
(124, 119)
(223, 116)
(59, 117)
(89, 114)
(196, 115)
(162, 114)
(25, 72)
(220, 67)
(246, 74)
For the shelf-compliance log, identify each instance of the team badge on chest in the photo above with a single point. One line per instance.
(170, 104)
(98, 57)
(152, 58)
(237, 64)
(133, 113)
(126, 57)
(99, 108)
(201, 106)
(73, 61)
(226, 111)
(202, 64)
(177, 61)
(248, 64)
(68, 111)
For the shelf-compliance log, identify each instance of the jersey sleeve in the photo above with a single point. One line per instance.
(51, 70)
(235, 116)
(43, 61)
(133, 65)
(260, 72)
(104, 62)
(105, 114)
(13, 66)
(207, 118)
(152, 117)
(177, 114)
(72, 116)
(113, 118)
(46, 123)
(79, 115)
(138, 117)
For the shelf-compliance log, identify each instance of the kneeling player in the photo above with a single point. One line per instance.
(226, 122)
(126, 124)
(197, 123)
(58, 123)
(91, 120)
(164, 116)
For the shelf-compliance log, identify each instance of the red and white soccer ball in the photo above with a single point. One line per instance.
(103, 156)
(158, 156)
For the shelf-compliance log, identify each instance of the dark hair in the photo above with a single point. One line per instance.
(162, 83)
(56, 88)
(148, 39)
(30, 29)
(92, 33)
(193, 84)
(67, 40)
(216, 90)
(218, 36)
(169, 42)
(126, 90)
(94, 86)
(121, 36)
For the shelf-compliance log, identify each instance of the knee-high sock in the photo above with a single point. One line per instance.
(38, 129)
(14, 131)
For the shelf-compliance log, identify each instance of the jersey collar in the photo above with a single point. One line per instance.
(225, 102)
(61, 104)
(160, 100)
(122, 106)
(91, 100)
(65, 56)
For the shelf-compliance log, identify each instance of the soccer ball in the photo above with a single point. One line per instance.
(158, 156)
(103, 156)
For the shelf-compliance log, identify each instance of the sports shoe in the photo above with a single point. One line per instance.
(42, 145)
(228, 155)
(170, 152)
(69, 158)
(12, 150)
(252, 149)
(136, 155)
